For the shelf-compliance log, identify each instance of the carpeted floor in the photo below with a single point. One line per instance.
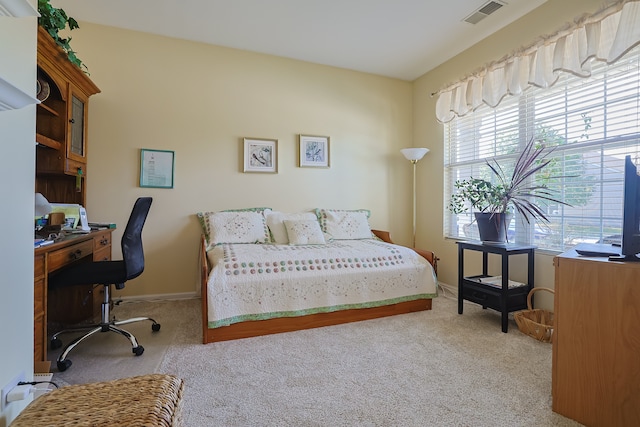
(430, 368)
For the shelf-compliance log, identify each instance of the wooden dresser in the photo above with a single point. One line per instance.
(596, 342)
(69, 307)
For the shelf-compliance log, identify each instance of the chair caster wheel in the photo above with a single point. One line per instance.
(155, 327)
(138, 350)
(64, 365)
(55, 343)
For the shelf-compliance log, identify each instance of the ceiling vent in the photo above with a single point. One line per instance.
(485, 10)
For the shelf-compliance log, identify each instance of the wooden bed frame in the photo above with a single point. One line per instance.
(287, 324)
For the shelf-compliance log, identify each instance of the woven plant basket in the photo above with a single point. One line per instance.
(537, 323)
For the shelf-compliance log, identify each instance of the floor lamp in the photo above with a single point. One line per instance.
(414, 155)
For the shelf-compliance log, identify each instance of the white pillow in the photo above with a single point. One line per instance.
(304, 232)
(203, 219)
(275, 222)
(237, 227)
(345, 224)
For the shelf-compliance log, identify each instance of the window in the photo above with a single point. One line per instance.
(590, 123)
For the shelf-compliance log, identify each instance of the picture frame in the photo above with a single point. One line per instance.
(314, 151)
(260, 155)
(156, 168)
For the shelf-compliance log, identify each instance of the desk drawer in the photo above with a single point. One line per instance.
(516, 298)
(69, 254)
(38, 266)
(102, 254)
(38, 297)
(102, 241)
(481, 296)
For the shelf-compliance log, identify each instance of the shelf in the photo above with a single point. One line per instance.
(48, 109)
(51, 143)
(494, 282)
(12, 98)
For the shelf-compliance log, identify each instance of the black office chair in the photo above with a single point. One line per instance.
(108, 273)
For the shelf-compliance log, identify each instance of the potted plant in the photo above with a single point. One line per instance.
(494, 201)
(55, 20)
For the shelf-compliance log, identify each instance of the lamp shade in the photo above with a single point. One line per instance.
(414, 154)
(42, 205)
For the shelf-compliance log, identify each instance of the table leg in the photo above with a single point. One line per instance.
(460, 276)
(505, 293)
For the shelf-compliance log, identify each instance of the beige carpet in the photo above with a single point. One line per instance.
(430, 368)
(108, 356)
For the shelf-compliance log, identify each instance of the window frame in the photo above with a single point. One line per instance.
(468, 144)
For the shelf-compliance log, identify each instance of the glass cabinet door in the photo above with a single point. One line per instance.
(77, 142)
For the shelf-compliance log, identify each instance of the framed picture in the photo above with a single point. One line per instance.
(260, 155)
(156, 168)
(314, 151)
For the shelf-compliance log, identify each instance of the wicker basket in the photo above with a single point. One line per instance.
(537, 323)
(143, 401)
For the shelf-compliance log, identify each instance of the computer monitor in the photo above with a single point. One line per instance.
(631, 214)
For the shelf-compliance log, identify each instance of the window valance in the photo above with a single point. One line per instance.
(604, 36)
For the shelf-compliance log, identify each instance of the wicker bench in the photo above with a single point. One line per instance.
(148, 400)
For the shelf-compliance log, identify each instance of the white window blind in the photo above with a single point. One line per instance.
(590, 123)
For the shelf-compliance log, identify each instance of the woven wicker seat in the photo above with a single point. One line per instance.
(148, 400)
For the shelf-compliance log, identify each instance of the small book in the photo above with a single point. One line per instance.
(102, 225)
(496, 281)
(41, 242)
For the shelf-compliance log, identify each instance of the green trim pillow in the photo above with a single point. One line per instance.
(204, 220)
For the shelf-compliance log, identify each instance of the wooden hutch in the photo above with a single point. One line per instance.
(61, 125)
(61, 176)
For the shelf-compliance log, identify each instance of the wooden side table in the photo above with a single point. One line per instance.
(505, 296)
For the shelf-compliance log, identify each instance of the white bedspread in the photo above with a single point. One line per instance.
(264, 281)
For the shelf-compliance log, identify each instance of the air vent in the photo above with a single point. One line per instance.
(485, 10)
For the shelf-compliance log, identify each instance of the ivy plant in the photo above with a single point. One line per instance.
(54, 20)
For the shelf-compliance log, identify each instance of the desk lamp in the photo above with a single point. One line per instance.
(414, 155)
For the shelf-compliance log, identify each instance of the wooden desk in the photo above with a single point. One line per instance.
(94, 246)
(596, 341)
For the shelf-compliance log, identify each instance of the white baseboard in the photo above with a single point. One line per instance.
(448, 290)
(157, 297)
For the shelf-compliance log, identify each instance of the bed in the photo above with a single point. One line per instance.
(253, 283)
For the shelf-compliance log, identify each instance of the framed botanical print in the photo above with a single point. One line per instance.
(314, 151)
(260, 155)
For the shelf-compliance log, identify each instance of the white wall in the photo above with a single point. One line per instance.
(17, 145)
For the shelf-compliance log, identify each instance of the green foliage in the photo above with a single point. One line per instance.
(481, 194)
(54, 20)
(516, 190)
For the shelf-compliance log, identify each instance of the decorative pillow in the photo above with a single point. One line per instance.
(275, 222)
(304, 232)
(345, 224)
(237, 227)
(203, 219)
